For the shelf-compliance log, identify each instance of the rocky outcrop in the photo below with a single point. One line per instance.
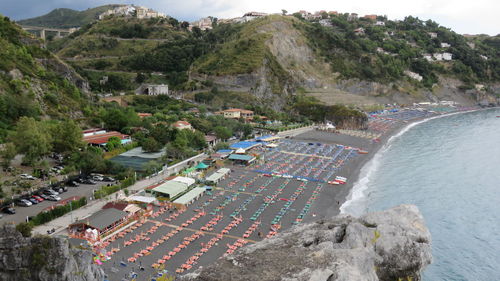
(67, 72)
(43, 259)
(384, 245)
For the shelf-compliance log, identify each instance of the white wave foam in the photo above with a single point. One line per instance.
(353, 204)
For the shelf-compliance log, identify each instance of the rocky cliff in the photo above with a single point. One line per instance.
(389, 245)
(43, 259)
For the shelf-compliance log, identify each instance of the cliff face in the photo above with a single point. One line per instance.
(43, 259)
(385, 245)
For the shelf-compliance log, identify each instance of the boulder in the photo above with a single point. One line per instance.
(386, 245)
(43, 258)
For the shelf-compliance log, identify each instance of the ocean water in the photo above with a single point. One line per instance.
(450, 168)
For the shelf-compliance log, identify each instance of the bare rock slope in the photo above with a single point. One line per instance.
(385, 245)
(43, 259)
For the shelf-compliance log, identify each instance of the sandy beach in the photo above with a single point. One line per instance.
(288, 186)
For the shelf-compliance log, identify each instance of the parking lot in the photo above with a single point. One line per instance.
(253, 203)
(23, 212)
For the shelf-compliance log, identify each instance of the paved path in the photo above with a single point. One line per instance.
(206, 232)
(239, 192)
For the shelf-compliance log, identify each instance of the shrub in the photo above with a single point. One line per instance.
(24, 228)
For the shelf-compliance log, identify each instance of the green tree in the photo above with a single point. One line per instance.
(88, 160)
(151, 145)
(221, 145)
(223, 133)
(247, 130)
(67, 137)
(32, 139)
(197, 140)
(8, 153)
(113, 143)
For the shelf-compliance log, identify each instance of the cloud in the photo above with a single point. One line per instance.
(478, 16)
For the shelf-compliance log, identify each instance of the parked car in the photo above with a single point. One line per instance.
(55, 171)
(108, 179)
(43, 195)
(23, 203)
(32, 200)
(97, 178)
(73, 183)
(54, 198)
(88, 181)
(8, 210)
(27, 177)
(38, 198)
(57, 189)
(49, 192)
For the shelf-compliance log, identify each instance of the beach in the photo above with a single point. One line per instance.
(288, 185)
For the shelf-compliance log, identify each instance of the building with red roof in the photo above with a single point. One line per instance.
(100, 137)
(183, 125)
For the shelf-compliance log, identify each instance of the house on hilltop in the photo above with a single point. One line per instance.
(182, 125)
(371, 17)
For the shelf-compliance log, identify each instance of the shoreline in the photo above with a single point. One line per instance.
(353, 170)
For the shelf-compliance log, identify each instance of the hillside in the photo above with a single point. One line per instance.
(334, 59)
(33, 82)
(67, 18)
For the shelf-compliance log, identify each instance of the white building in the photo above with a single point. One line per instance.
(380, 23)
(428, 57)
(325, 22)
(203, 24)
(447, 56)
(432, 34)
(152, 90)
(445, 45)
(352, 16)
(443, 56)
(147, 13)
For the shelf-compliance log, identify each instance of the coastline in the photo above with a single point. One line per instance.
(355, 171)
(347, 194)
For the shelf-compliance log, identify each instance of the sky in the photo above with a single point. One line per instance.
(462, 16)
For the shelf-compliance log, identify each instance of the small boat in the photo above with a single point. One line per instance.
(362, 152)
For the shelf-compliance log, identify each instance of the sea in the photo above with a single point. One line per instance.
(449, 166)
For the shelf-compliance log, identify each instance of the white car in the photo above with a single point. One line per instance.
(54, 198)
(27, 177)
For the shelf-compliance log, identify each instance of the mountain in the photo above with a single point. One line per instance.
(67, 18)
(333, 58)
(34, 82)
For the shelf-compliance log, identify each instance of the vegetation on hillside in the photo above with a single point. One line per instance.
(67, 18)
(27, 88)
(383, 52)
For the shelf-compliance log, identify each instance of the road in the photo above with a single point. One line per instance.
(23, 212)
